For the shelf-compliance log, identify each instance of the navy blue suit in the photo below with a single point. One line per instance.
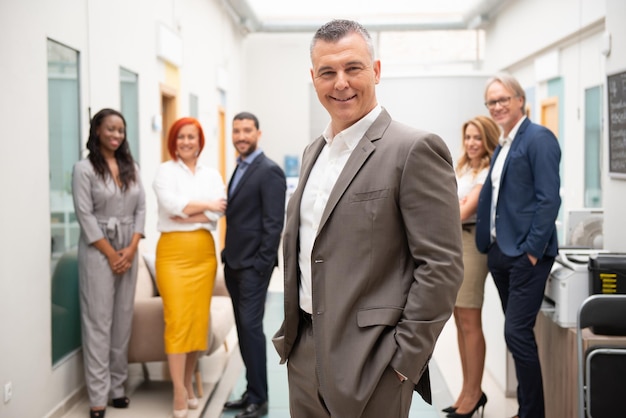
(254, 222)
(526, 211)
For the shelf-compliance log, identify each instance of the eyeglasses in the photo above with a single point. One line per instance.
(503, 101)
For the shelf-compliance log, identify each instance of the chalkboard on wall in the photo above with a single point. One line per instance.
(616, 89)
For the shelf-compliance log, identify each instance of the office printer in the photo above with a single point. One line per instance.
(567, 286)
(607, 273)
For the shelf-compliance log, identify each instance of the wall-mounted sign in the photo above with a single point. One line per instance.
(616, 96)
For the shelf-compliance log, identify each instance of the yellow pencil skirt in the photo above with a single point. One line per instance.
(185, 275)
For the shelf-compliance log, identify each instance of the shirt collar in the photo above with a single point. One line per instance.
(181, 164)
(353, 134)
(509, 139)
(248, 160)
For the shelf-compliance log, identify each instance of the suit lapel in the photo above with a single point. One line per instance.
(496, 152)
(308, 160)
(519, 137)
(352, 167)
(251, 168)
(293, 208)
(357, 159)
(230, 182)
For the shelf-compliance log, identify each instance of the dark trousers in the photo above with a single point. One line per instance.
(521, 287)
(248, 291)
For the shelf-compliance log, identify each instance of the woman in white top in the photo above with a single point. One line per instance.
(480, 137)
(191, 198)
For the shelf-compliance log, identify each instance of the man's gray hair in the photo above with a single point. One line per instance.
(511, 83)
(337, 29)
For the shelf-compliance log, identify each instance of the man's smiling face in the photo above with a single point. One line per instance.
(344, 76)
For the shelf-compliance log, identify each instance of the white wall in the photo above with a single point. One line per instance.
(276, 89)
(614, 190)
(108, 35)
(527, 27)
(25, 350)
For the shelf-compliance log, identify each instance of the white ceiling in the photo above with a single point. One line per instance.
(365, 9)
(299, 15)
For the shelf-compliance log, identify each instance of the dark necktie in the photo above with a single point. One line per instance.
(239, 170)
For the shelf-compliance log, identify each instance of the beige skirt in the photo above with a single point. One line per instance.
(472, 291)
(185, 275)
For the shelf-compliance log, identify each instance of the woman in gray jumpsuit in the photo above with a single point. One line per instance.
(109, 203)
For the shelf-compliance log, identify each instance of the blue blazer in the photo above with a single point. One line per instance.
(529, 200)
(255, 216)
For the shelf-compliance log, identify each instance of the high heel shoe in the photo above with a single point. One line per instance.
(193, 403)
(180, 413)
(480, 404)
(449, 409)
(122, 402)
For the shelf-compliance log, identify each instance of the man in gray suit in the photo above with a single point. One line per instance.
(372, 246)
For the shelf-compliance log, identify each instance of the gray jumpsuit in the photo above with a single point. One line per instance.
(106, 299)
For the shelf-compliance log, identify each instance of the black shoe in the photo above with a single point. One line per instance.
(97, 413)
(240, 403)
(253, 410)
(449, 409)
(122, 402)
(480, 404)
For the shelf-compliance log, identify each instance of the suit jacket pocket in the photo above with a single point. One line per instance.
(371, 195)
(279, 343)
(388, 316)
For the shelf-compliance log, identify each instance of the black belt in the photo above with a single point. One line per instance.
(306, 318)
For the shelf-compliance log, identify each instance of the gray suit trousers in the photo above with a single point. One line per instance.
(391, 398)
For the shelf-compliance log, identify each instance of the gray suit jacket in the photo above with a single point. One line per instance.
(387, 263)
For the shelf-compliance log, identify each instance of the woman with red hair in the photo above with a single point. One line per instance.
(191, 198)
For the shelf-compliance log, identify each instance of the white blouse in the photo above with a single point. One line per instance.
(467, 181)
(175, 186)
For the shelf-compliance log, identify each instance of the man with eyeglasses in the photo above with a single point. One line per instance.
(515, 226)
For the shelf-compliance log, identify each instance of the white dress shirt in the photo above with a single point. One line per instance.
(176, 185)
(496, 173)
(320, 183)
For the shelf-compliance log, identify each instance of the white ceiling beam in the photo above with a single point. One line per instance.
(477, 18)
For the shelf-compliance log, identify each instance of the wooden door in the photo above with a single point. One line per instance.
(550, 114)
(221, 166)
(168, 117)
